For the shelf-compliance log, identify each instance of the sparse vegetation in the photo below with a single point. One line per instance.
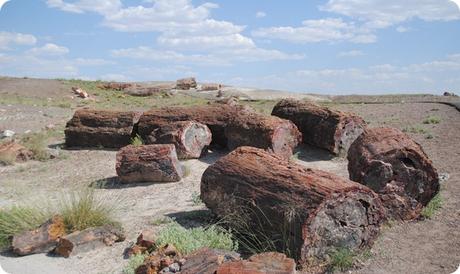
(137, 140)
(133, 263)
(7, 158)
(432, 120)
(341, 259)
(189, 240)
(416, 129)
(162, 220)
(196, 199)
(36, 142)
(434, 205)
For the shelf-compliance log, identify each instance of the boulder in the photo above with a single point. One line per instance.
(207, 261)
(15, 152)
(320, 126)
(263, 263)
(396, 167)
(308, 212)
(100, 128)
(7, 134)
(149, 163)
(186, 83)
(41, 240)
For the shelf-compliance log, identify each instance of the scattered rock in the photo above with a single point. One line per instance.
(115, 86)
(80, 92)
(7, 134)
(320, 126)
(207, 261)
(264, 263)
(16, 152)
(186, 83)
(50, 126)
(146, 238)
(316, 210)
(396, 167)
(40, 240)
(165, 260)
(149, 163)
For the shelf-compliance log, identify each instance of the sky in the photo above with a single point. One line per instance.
(316, 46)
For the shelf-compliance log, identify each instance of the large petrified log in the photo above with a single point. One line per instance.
(95, 128)
(216, 116)
(320, 126)
(186, 83)
(263, 263)
(395, 166)
(149, 163)
(190, 138)
(88, 239)
(207, 261)
(309, 212)
(40, 240)
(268, 132)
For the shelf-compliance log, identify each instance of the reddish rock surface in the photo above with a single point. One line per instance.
(148, 163)
(395, 166)
(267, 132)
(320, 126)
(15, 151)
(264, 263)
(115, 86)
(100, 128)
(40, 240)
(309, 212)
(207, 261)
(190, 138)
(186, 83)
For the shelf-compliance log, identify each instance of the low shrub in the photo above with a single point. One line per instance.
(36, 142)
(133, 263)
(137, 141)
(434, 205)
(432, 120)
(341, 259)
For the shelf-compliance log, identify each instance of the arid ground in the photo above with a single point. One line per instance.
(424, 246)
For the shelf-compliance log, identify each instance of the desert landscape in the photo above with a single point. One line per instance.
(170, 168)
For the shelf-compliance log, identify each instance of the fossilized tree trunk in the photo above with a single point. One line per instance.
(321, 126)
(190, 138)
(100, 128)
(308, 212)
(392, 164)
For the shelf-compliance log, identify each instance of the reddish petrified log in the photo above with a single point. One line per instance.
(396, 167)
(115, 86)
(100, 128)
(15, 152)
(88, 239)
(216, 116)
(207, 261)
(190, 138)
(309, 212)
(263, 263)
(186, 83)
(40, 240)
(320, 126)
(149, 163)
(267, 132)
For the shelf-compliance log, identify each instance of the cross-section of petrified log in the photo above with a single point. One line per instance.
(190, 138)
(88, 239)
(396, 167)
(309, 212)
(149, 163)
(95, 128)
(207, 261)
(321, 126)
(40, 240)
(215, 116)
(263, 263)
(268, 132)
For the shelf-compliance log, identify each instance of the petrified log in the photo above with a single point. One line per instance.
(306, 211)
(396, 167)
(149, 163)
(207, 261)
(186, 83)
(115, 86)
(320, 126)
(190, 138)
(40, 240)
(15, 152)
(100, 128)
(263, 263)
(88, 239)
(268, 132)
(215, 116)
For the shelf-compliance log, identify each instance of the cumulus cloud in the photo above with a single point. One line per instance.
(351, 53)
(49, 49)
(260, 14)
(13, 38)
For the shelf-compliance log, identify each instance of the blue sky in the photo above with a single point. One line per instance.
(319, 46)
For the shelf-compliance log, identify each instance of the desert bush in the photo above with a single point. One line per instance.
(415, 129)
(434, 205)
(133, 263)
(432, 120)
(36, 142)
(137, 141)
(341, 259)
(189, 240)
(196, 200)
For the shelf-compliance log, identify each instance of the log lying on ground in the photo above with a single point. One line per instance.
(40, 240)
(320, 126)
(100, 128)
(267, 132)
(15, 152)
(149, 163)
(207, 261)
(308, 212)
(216, 116)
(392, 164)
(190, 138)
(186, 83)
(263, 263)
(88, 239)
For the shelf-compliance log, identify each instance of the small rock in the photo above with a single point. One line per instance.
(80, 92)
(174, 268)
(443, 177)
(50, 126)
(7, 134)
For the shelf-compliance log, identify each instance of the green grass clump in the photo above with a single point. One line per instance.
(434, 205)
(162, 220)
(137, 141)
(416, 129)
(196, 200)
(341, 259)
(432, 120)
(189, 240)
(133, 263)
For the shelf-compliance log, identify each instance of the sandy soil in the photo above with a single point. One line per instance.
(429, 246)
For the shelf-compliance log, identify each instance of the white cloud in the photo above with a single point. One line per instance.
(49, 49)
(205, 42)
(12, 38)
(312, 31)
(260, 14)
(402, 29)
(351, 53)
(99, 6)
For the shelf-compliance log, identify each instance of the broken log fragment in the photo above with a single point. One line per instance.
(320, 126)
(263, 263)
(207, 261)
(267, 132)
(40, 240)
(149, 163)
(190, 138)
(308, 212)
(186, 83)
(88, 239)
(396, 167)
(100, 128)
